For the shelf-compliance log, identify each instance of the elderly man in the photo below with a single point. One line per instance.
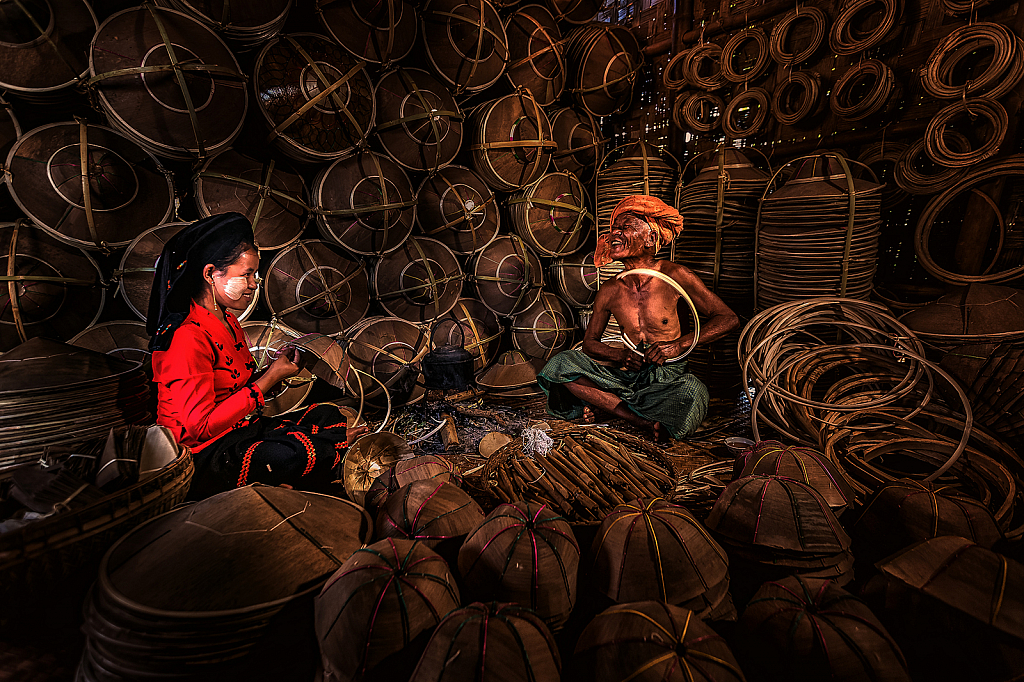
(643, 386)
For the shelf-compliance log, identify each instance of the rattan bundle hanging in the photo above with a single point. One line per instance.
(381, 599)
(535, 53)
(430, 511)
(551, 214)
(651, 550)
(247, 24)
(377, 32)
(746, 114)
(512, 143)
(490, 642)
(916, 173)
(807, 629)
(272, 196)
(508, 276)
(313, 287)
(674, 77)
(162, 608)
(651, 641)
(544, 329)
(868, 88)
(386, 351)
(702, 112)
(846, 38)
(456, 207)
(52, 289)
(966, 111)
(365, 203)
(789, 54)
(736, 65)
(124, 339)
(524, 553)
(798, 99)
(604, 61)
(316, 99)
(882, 157)
(579, 142)
(43, 50)
(265, 341)
(418, 122)
(465, 42)
(424, 467)
(474, 326)
(772, 458)
(88, 185)
(949, 73)
(703, 66)
(419, 281)
(818, 234)
(576, 280)
(167, 82)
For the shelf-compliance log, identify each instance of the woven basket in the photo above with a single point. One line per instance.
(430, 511)
(55, 559)
(404, 472)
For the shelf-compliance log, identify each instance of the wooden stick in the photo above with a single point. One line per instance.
(449, 434)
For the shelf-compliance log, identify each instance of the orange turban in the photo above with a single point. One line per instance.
(665, 222)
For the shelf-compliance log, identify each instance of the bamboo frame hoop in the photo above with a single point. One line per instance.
(1001, 74)
(45, 51)
(797, 98)
(682, 293)
(512, 143)
(675, 77)
(703, 111)
(842, 39)
(387, 349)
(376, 32)
(870, 72)
(576, 280)
(731, 53)
(266, 339)
(696, 58)
(915, 180)
(777, 44)
(989, 109)
(465, 42)
(422, 126)
(420, 281)
(732, 124)
(535, 49)
(551, 214)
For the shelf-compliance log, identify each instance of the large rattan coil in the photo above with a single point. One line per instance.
(544, 329)
(746, 114)
(377, 32)
(418, 122)
(675, 77)
(365, 203)
(265, 341)
(124, 339)
(535, 53)
(863, 90)
(245, 24)
(389, 350)
(456, 207)
(168, 82)
(574, 11)
(736, 72)
(316, 99)
(551, 214)
(576, 280)
(698, 73)
(273, 197)
(956, 7)
(512, 142)
(465, 42)
(797, 98)
(474, 326)
(703, 111)
(419, 281)
(43, 50)
(844, 39)
(580, 145)
(916, 173)
(313, 287)
(604, 62)
(778, 45)
(935, 135)
(87, 185)
(678, 104)
(943, 74)
(508, 276)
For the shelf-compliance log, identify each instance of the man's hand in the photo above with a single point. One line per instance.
(630, 360)
(659, 352)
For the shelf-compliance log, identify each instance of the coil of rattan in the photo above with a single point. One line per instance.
(731, 53)
(678, 105)
(674, 76)
(939, 77)
(703, 112)
(696, 70)
(781, 33)
(798, 98)
(912, 178)
(870, 72)
(736, 124)
(935, 135)
(955, 7)
(843, 40)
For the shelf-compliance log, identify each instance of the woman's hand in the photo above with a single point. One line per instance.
(353, 432)
(286, 365)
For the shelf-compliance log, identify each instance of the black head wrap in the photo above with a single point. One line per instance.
(180, 267)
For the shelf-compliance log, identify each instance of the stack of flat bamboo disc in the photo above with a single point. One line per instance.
(183, 95)
(54, 289)
(377, 32)
(316, 98)
(58, 395)
(168, 604)
(551, 214)
(508, 276)
(418, 122)
(247, 23)
(365, 203)
(456, 207)
(535, 53)
(576, 280)
(270, 195)
(265, 339)
(420, 281)
(138, 268)
(465, 42)
(512, 142)
(814, 240)
(44, 50)
(313, 287)
(124, 339)
(604, 61)
(544, 329)
(580, 144)
(128, 190)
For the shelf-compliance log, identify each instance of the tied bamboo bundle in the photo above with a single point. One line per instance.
(650, 549)
(583, 475)
(380, 600)
(772, 458)
(806, 629)
(653, 642)
(490, 642)
(525, 553)
(430, 511)
(425, 467)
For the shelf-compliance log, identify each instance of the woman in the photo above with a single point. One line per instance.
(209, 393)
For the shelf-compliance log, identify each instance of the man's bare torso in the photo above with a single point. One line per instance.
(645, 307)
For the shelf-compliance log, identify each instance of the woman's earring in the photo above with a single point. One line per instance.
(214, 291)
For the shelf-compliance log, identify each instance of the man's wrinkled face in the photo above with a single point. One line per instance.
(630, 236)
